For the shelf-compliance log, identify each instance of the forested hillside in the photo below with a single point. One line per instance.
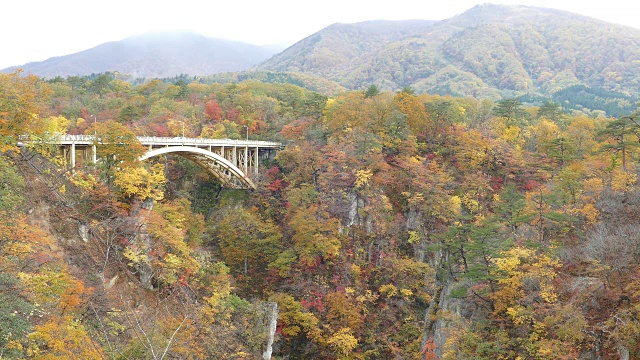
(393, 225)
(330, 53)
(490, 51)
(306, 81)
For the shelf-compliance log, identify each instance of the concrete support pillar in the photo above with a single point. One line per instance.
(94, 154)
(222, 152)
(234, 156)
(73, 155)
(256, 161)
(246, 159)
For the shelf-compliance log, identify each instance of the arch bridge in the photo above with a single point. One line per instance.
(234, 162)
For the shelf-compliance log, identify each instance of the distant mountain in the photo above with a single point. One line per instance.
(490, 51)
(156, 55)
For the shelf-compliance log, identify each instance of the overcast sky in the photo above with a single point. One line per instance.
(34, 30)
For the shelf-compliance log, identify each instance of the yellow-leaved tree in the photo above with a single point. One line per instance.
(20, 99)
(141, 182)
(315, 234)
(524, 293)
(117, 147)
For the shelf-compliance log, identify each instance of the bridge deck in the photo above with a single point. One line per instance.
(174, 141)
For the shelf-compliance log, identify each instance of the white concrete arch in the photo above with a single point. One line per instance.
(228, 174)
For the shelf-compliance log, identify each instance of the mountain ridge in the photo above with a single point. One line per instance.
(157, 54)
(491, 51)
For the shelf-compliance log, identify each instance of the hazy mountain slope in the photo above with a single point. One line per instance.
(163, 54)
(488, 51)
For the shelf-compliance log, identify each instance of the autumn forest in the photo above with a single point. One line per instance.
(392, 225)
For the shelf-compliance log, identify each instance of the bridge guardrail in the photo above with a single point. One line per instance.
(155, 140)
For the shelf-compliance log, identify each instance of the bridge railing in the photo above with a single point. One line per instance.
(53, 138)
(152, 140)
(155, 140)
